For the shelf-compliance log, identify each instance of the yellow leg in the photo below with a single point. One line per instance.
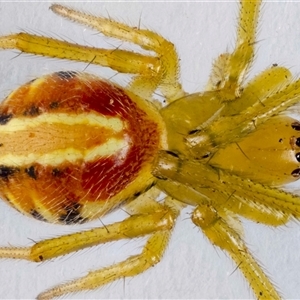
(250, 118)
(166, 75)
(271, 93)
(224, 233)
(149, 216)
(249, 208)
(134, 265)
(263, 85)
(134, 226)
(119, 60)
(229, 70)
(161, 70)
(209, 182)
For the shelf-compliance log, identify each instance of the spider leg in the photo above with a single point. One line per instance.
(223, 232)
(252, 200)
(134, 226)
(152, 71)
(149, 216)
(262, 86)
(229, 70)
(215, 213)
(248, 207)
(166, 76)
(120, 60)
(134, 265)
(269, 94)
(223, 123)
(250, 118)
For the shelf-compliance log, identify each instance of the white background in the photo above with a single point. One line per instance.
(191, 268)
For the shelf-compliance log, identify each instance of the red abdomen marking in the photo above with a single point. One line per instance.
(73, 146)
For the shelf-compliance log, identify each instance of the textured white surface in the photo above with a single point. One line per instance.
(191, 268)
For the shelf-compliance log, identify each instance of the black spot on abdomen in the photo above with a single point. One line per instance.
(6, 172)
(5, 118)
(35, 214)
(72, 215)
(32, 111)
(31, 172)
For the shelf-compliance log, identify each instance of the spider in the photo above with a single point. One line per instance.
(194, 132)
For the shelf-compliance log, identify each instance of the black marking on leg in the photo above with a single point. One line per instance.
(35, 214)
(147, 188)
(194, 131)
(152, 184)
(72, 215)
(172, 153)
(32, 111)
(31, 172)
(137, 194)
(6, 172)
(160, 177)
(66, 74)
(206, 155)
(5, 118)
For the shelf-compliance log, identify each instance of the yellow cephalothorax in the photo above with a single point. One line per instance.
(75, 147)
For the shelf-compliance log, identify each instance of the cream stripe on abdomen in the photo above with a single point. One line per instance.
(55, 158)
(23, 141)
(17, 124)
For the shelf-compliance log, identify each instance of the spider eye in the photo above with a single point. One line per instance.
(298, 156)
(296, 126)
(298, 142)
(296, 173)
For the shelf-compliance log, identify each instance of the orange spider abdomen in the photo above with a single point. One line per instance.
(73, 146)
